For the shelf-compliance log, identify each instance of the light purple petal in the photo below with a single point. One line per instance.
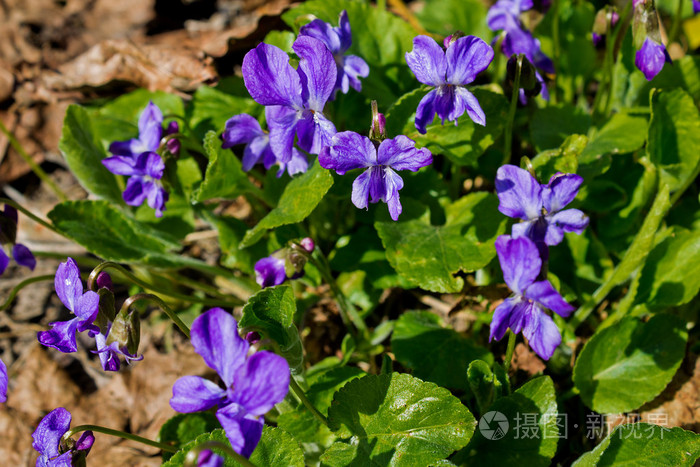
(255, 152)
(542, 334)
(4, 261)
(120, 165)
(503, 15)
(242, 430)
(464, 100)
(348, 150)
(544, 293)
(23, 256)
(50, 430)
(324, 32)
(151, 164)
(524, 229)
(501, 318)
(3, 381)
(519, 193)
(207, 458)
(569, 220)
(394, 183)
(400, 153)
(149, 119)
(315, 132)
(466, 58)
(194, 394)
(135, 192)
(214, 336)
(560, 191)
(427, 61)
(317, 71)
(425, 113)
(520, 262)
(86, 308)
(353, 67)
(650, 58)
(261, 383)
(68, 285)
(298, 164)
(269, 77)
(61, 336)
(360, 189)
(377, 184)
(109, 359)
(240, 129)
(270, 271)
(282, 123)
(85, 442)
(157, 197)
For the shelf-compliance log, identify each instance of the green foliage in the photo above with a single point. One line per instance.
(183, 428)
(550, 126)
(448, 17)
(224, 177)
(211, 107)
(396, 419)
(629, 363)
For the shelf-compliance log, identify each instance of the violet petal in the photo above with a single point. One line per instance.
(520, 262)
(194, 394)
(262, 382)
(427, 61)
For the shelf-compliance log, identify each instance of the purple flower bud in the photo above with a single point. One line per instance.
(207, 458)
(252, 337)
(650, 59)
(270, 271)
(173, 145)
(307, 243)
(104, 280)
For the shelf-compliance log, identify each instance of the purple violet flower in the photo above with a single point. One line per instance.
(449, 72)
(539, 206)
(349, 150)
(109, 353)
(651, 57)
(270, 271)
(208, 458)
(3, 381)
(244, 129)
(505, 14)
(150, 133)
(696, 6)
(145, 172)
(295, 97)
(8, 235)
(252, 384)
(338, 40)
(47, 441)
(524, 311)
(85, 306)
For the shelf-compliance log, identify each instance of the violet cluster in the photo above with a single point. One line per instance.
(252, 384)
(448, 71)
(522, 254)
(139, 159)
(504, 16)
(53, 450)
(8, 236)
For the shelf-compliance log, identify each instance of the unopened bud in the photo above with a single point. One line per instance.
(173, 144)
(126, 331)
(104, 280)
(107, 310)
(451, 39)
(252, 337)
(528, 76)
(605, 20)
(377, 130)
(646, 23)
(308, 244)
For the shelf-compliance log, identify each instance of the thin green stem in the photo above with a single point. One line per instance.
(307, 403)
(185, 298)
(166, 309)
(509, 350)
(21, 285)
(675, 27)
(508, 136)
(33, 217)
(619, 31)
(33, 165)
(193, 454)
(119, 434)
(606, 82)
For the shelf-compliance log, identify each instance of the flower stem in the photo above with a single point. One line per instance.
(23, 284)
(675, 27)
(166, 309)
(307, 403)
(120, 434)
(509, 350)
(33, 165)
(508, 136)
(193, 454)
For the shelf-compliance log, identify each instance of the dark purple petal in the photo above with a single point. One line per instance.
(240, 129)
(61, 336)
(400, 153)
(353, 67)
(4, 260)
(427, 61)
(50, 430)
(344, 32)
(394, 183)
(317, 71)
(425, 113)
(104, 280)
(560, 191)
(314, 131)
(518, 315)
(466, 58)
(3, 381)
(135, 192)
(242, 430)
(85, 442)
(109, 358)
(527, 229)
(542, 334)
(10, 212)
(120, 165)
(651, 57)
(282, 123)
(377, 184)
(269, 77)
(269, 271)
(214, 336)
(194, 394)
(68, 285)
(501, 318)
(519, 193)
(520, 262)
(544, 293)
(256, 151)
(207, 458)
(360, 189)
(261, 383)
(129, 148)
(466, 101)
(349, 150)
(324, 32)
(86, 308)
(504, 14)
(696, 6)
(298, 164)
